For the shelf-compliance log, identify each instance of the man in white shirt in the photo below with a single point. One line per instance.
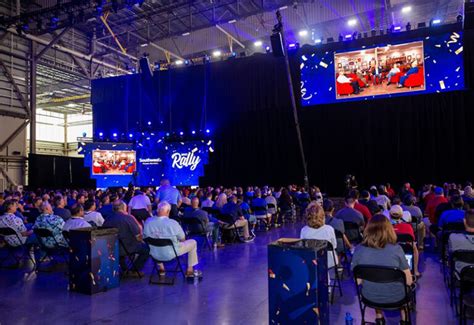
(140, 206)
(91, 215)
(392, 72)
(162, 226)
(77, 220)
(342, 79)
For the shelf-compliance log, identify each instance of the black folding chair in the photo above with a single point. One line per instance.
(194, 227)
(353, 232)
(273, 207)
(11, 250)
(336, 281)
(43, 234)
(382, 274)
(463, 256)
(466, 279)
(344, 253)
(287, 213)
(261, 221)
(229, 226)
(447, 230)
(407, 243)
(128, 264)
(164, 242)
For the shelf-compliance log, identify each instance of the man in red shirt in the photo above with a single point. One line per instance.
(433, 204)
(360, 207)
(401, 227)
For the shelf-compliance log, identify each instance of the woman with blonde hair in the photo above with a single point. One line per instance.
(380, 248)
(316, 229)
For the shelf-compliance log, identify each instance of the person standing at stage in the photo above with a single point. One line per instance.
(170, 194)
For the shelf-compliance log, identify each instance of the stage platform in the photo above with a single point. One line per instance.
(234, 291)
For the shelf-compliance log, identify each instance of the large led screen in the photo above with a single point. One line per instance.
(433, 64)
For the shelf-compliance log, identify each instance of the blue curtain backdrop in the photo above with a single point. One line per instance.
(246, 105)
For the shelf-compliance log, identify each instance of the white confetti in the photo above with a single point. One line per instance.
(459, 50)
(301, 66)
(304, 57)
(323, 64)
(441, 84)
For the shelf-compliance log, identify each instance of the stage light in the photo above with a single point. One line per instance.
(101, 134)
(208, 131)
(149, 123)
(397, 28)
(130, 135)
(114, 135)
(352, 22)
(144, 44)
(283, 8)
(181, 133)
(186, 62)
(186, 34)
(179, 62)
(303, 33)
(348, 36)
(232, 21)
(435, 21)
(216, 53)
(193, 132)
(257, 43)
(293, 46)
(233, 54)
(406, 9)
(157, 66)
(318, 41)
(167, 134)
(206, 59)
(408, 27)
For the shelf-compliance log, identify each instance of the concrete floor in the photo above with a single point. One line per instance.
(233, 291)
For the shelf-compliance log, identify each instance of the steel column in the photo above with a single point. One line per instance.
(33, 98)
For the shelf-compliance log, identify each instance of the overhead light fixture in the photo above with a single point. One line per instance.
(352, 22)
(318, 41)
(435, 21)
(186, 34)
(232, 21)
(179, 62)
(216, 53)
(258, 43)
(283, 8)
(397, 28)
(406, 9)
(303, 33)
(71, 105)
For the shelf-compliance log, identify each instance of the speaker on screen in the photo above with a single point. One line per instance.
(277, 45)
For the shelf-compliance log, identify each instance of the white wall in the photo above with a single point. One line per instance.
(13, 164)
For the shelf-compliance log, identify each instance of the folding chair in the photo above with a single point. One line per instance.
(466, 283)
(273, 207)
(344, 254)
(287, 212)
(261, 218)
(336, 282)
(230, 226)
(42, 234)
(382, 274)
(406, 242)
(195, 228)
(455, 276)
(353, 232)
(447, 230)
(129, 265)
(4, 232)
(164, 242)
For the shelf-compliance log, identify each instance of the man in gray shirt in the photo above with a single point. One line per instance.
(170, 194)
(349, 214)
(463, 241)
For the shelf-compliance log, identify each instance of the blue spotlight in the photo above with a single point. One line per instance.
(130, 135)
(208, 131)
(149, 123)
(181, 133)
(101, 134)
(167, 134)
(193, 132)
(114, 134)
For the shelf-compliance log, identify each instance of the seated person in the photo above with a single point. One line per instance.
(415, 212)
(91, 215)
(401, 227)
(455, 214)
(34, 210)
(10, 220)
(380, 248)
(393, 71)
(161, 226)
(211, 225)
(59, 210)
(337, 224)
(465, 241)
(233, 209)
(316, 229)
(342, 79)
(207, 203)
(413, 69)
(377, 73)
(129, 233)
(77, 220)
(48, 220)
(350, 214)
(361, 77)
(272, 210)
(259, 202)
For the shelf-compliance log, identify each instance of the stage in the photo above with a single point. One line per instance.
(233, 291)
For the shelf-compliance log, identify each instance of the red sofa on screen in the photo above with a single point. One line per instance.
(97, 170)
(353, 76)
(344, 89)
(416, 79)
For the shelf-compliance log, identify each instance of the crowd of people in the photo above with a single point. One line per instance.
(365, 227)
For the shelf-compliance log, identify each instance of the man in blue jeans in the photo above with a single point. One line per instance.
(414, 69)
